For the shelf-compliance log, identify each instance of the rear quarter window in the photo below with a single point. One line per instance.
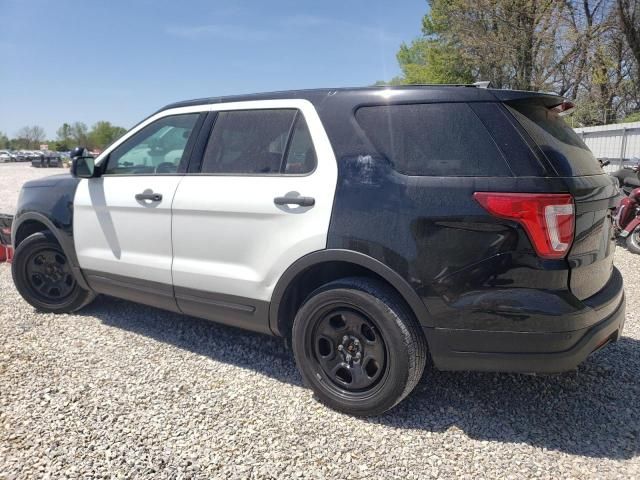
(440, 139)
(558, 141)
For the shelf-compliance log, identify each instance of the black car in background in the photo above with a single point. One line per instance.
(47, 159)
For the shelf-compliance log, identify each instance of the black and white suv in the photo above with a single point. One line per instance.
(374, 227)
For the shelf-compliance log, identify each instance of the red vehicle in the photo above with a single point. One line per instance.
(627, 220)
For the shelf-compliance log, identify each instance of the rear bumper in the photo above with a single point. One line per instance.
(526, 352)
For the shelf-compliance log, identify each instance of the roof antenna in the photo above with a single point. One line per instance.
(482, 84)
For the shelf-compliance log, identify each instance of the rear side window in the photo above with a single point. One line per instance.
(259, 142)
(301, 156)
(561, 145)
(440, 139)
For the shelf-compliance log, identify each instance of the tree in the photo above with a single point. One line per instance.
(103, 134)
(428, 61)
(571, 47)
(629, 15)
(79, 134)
(30, 137)
(64, 133)
(4, 141)
(508, 42)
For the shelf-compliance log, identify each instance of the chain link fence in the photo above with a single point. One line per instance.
(619, 143)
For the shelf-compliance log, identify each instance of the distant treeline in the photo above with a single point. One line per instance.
(68, 136)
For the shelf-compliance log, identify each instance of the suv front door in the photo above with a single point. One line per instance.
(123, 241)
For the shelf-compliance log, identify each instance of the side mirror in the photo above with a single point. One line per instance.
(82, 167)
(82, 164)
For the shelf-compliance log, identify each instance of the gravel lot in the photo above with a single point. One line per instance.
(13, 175)
(121, 390)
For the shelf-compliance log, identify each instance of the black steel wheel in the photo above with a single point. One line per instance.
(43, 275)
(357, 346)
(48, 275)
(349, 348)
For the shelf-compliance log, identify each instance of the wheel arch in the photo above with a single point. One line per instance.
(318, 268)
(33, 222)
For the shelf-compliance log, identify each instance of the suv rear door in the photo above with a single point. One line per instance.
(236, 224)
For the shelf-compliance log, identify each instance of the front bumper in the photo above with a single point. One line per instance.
(529, 352)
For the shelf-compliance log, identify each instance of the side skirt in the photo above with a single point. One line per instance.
(241, 312)
(245, 313)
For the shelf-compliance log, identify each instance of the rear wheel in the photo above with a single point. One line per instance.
(42, 274)
(633, 241)
(358, 347)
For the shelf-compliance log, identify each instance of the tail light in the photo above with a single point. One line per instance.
(548, 218)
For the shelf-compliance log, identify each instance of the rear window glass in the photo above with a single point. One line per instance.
(561, 145)
(439, 139)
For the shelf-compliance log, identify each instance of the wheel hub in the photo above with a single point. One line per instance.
(53, 272)
(49, 275)
(351, 349)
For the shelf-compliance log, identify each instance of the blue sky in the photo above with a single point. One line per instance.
(75, 60)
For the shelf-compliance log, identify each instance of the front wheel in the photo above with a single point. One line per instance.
(633, 241)
(42, 274)
(358, 346)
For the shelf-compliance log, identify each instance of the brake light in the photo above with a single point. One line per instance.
(548, 218)
(564, 108)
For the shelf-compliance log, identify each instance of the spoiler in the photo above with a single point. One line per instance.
(6, 250)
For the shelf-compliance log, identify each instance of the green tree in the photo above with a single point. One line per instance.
(632, 117)
(103, 134)
(64, 133)
(430, 61)
(4, 141)
(79, 134)
(582, 49)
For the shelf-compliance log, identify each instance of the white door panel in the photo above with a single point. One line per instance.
(230, 237)
(120, 235)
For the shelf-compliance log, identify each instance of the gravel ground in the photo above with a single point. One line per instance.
(122, 390)
(13, 175)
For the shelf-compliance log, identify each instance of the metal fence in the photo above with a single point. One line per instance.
(619, 143)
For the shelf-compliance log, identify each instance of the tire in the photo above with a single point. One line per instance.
(358, 347)
(633, 241)
(43, 276)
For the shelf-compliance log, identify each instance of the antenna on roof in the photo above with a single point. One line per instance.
(482, 84)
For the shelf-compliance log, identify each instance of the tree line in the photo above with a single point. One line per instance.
(586, 50)
(68, 136)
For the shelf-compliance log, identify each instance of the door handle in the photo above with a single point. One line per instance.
(154, 197)
(302, 201)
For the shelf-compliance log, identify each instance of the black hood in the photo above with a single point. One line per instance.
(51, 181)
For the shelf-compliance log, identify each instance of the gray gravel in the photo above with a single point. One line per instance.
(122, 390)
(13, 175)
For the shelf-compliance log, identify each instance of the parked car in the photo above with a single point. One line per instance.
(47, 159)
(24, 156)
(6, 156)
(373, 227)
